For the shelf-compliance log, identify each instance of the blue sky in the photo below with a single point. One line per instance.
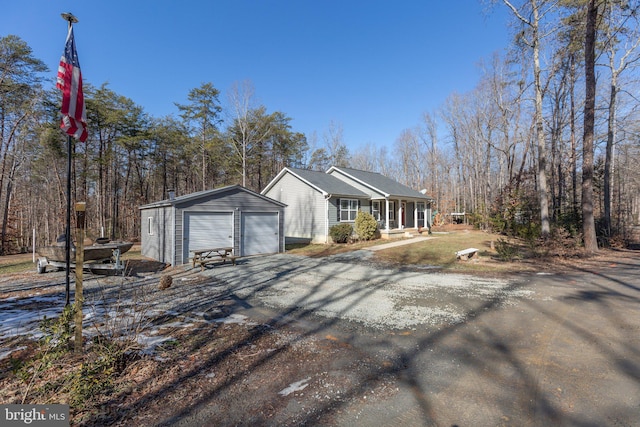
(371, 67)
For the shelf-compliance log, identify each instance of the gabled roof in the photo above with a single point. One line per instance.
(325, 183)
(380, 183)
(206, 193)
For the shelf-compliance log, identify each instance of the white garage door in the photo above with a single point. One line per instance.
(204, 230)
(260, 233)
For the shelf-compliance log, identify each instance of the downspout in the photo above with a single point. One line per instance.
(326, 218)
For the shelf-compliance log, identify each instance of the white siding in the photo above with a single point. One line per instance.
(305, 214)
(367, 190)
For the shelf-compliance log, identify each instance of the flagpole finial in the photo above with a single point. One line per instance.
(68, 16)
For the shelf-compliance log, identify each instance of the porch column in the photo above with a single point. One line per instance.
(400, 214)
(386, 214)
(415, 214)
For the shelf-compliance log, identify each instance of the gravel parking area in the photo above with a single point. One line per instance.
(351, 287)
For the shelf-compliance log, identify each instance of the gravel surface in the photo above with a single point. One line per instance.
(350, 287)
(343, 287)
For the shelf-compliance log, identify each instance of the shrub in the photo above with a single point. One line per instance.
(84, 380)
(506, 251)
(365, 226)
(340, 233)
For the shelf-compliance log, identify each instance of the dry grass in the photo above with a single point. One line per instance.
(16, 264)
(440, 251)
(321, 249)
(22, 263)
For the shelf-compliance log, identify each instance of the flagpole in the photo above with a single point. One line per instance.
(67, 244)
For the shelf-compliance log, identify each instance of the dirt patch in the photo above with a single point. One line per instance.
(227, 373)
(136, 267)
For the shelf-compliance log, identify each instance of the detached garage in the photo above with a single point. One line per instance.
(250, 223)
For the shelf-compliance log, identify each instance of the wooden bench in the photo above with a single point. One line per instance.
(205, 256)
(466, 253)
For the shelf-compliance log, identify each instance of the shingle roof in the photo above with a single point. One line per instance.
(205, 193)
(327, 183)
(382, 183)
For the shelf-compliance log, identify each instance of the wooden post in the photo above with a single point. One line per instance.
(79, 298)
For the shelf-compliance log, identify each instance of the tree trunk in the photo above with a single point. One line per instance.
(588, 220)
(545, 229)
(572, 125)
(608, 160)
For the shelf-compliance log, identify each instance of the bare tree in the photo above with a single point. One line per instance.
(336, 147)
(588, 220)
(365, 158)
(533, 40)
(429, 138)
(621, 29)
(247, 129)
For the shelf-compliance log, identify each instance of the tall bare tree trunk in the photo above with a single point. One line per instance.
(608, 159)
(541, 175)
(588, 220)
(542, 152)
(572, 125)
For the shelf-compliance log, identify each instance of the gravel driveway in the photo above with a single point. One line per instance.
(352, 287)
(416, 347)
(529, 350)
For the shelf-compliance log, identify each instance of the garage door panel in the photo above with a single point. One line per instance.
(207, 230)
(260, 233)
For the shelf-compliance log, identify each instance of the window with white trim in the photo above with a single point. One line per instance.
(375, 209)
(348, 209)
(150, 225)
(392, 211)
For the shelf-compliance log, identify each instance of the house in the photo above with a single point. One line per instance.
(232, 216)
(315, 201)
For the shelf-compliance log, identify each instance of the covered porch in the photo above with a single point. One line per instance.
(400, 217)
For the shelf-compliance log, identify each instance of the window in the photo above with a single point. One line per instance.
(375, 210)
(150, 225)
(392, 211)
(348, 209)
(420, 207)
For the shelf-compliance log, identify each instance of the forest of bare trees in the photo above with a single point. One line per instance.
(548, 140)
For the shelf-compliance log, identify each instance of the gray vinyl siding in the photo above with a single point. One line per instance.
(305, 215)
(166, 242)
(365, 206)
(234, 201)
(157, 243)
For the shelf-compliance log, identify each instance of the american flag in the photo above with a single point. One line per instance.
(74, 116)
